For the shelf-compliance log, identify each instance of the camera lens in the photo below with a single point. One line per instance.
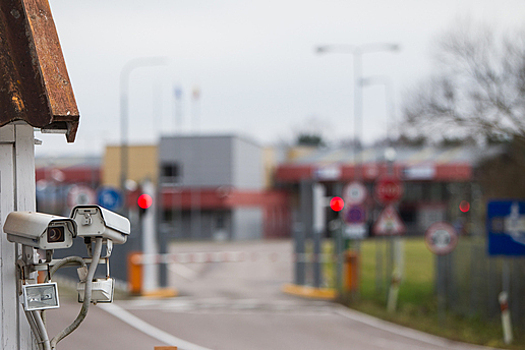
(55, 234)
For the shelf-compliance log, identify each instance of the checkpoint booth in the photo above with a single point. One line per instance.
(435, 179)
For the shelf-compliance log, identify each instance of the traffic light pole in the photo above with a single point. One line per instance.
(318, 224)
(302, 230)
(150, 275)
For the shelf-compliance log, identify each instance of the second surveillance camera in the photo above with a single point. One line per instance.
(39, 230)
(95, 221)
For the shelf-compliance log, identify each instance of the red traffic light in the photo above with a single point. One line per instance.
(337, 204)
(464, 206)
(144, 201)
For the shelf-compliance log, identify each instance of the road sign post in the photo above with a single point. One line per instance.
(506, 236)
(79, 195)
(354, 193)
(506, 228)
(441, 238)
(388, 189)
(354, 214)
(319, 219)
(355, 218)
(149, 239)
(389, 223)
(110, 198)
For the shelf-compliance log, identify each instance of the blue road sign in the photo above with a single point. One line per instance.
(506, 227)
(354, 214)
(109, 198)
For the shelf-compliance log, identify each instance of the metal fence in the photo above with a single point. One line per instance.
(468, 282)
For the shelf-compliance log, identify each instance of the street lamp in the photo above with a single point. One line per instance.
(124, 114)
(357, 52)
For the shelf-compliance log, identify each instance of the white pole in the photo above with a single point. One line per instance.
(505, 317)
(150, 277)
(394, 290)
(399, 256)
(17, 193)
(319, 204)
(397, 274)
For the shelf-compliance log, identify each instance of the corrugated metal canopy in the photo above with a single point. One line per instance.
(406, 155)
(411, 163)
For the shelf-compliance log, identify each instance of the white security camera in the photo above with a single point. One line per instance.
(95, 221)
(39, 230)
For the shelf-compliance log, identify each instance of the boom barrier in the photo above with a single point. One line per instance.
(226, 257)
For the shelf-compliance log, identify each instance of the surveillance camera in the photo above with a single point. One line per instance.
(95, 221)
(39, 230)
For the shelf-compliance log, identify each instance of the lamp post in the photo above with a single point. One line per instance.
(357, 52)
(389, 101)
(395, 245)
(124, 114)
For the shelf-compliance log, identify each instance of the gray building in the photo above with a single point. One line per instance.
(212, 187)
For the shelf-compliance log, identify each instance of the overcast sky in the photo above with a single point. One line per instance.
(252, 60)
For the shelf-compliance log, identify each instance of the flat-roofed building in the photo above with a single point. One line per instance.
(214, 187)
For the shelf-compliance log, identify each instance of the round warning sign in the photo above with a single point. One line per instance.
(441, 238)
(80, 194)
(354, 193)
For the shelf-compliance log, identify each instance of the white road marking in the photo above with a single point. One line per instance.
(254, 306)
(148, 329)
(183, 271)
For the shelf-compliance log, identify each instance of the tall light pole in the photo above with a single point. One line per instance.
(124, 114)
(357, 52)
(389, 101)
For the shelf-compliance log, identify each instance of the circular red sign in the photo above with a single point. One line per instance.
(441, 238)
(389, 189)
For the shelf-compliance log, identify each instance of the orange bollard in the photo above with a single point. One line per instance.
(135, 272)
(41, 276)
(351, 268)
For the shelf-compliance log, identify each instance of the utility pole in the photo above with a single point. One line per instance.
(17, 193)
(149, 239)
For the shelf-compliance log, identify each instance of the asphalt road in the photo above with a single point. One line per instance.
(235, 306)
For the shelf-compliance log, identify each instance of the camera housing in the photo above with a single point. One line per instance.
(95, 221)
(39, 230)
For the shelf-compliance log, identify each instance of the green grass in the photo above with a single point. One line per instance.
(417, 302)
(418, 280)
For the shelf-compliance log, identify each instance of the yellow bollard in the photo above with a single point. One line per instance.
(134, 273)
(351, 281)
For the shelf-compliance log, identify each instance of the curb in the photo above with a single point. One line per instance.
(309, 292)
(160, 293)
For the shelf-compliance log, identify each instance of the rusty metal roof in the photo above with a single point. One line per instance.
(34, 84)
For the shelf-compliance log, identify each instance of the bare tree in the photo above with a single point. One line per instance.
(479, 87)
